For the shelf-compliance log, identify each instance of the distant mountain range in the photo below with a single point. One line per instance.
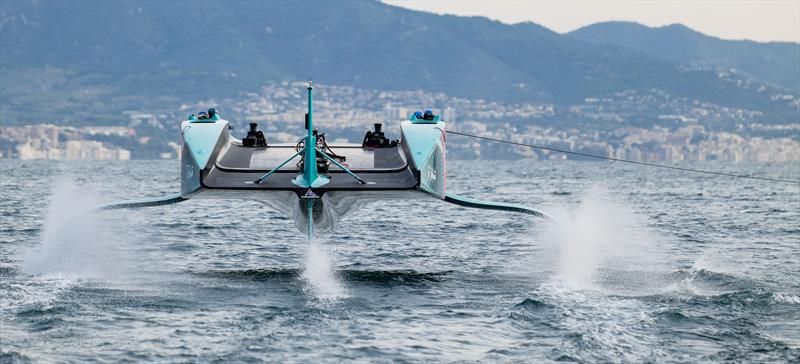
(777, 63)
(90, 60)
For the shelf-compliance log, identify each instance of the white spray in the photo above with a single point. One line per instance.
(74, 241)
(601, 235)
(319, 274)
(599, 251)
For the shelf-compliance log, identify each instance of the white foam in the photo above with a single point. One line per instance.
(711, 260)
(622, 326)
(319, 274)
(785, 298)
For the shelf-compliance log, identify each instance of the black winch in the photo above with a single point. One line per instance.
(255, 137)
(377, 139)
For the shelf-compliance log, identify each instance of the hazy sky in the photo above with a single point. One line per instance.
(765, 20)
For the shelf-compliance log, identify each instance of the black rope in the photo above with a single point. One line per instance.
(330, 151)
(623, 160)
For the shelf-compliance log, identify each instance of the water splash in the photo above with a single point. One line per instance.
(319, 274)
(598, 255)
(74, 241)
(712, 260)
(602, 242)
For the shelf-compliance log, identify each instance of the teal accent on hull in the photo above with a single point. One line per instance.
(190, 173)
(201, 138)
(432, 178)
(488, 205)
(303, 182)
(422, 140)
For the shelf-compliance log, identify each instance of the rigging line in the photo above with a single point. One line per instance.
(623, 160)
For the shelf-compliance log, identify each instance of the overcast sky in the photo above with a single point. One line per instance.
(765, 20)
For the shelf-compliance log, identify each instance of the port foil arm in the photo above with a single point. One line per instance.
(488, 205)
(145, 202)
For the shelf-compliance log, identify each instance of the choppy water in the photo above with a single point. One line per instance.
(648, 265)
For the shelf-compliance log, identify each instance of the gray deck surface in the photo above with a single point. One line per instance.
(384, 168)
(403, 179)
(357, 158)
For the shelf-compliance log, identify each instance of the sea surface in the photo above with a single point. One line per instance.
(645, 265)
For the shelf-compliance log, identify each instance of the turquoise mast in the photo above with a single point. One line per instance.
(310, 177)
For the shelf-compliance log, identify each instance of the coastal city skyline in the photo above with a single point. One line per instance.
(677, 132)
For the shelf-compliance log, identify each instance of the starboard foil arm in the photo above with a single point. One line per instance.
(145, 202)
(488, 205)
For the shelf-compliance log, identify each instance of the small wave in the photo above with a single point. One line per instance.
(704, 282)
(742, 303)
(382, 277)
(38, 295)
(534, 311)
(532, 304)
(680, 318)
(171, 225)
(35, 310)
(789, 231)
(8, 356)
(20, 230)
(594, 324)
(45, 324)
(253, 274)
(393, 277)
(7, 271)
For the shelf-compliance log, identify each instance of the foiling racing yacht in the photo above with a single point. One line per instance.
(312, 181)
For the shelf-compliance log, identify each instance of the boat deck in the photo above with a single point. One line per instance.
(239, 158)
(382, 168)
